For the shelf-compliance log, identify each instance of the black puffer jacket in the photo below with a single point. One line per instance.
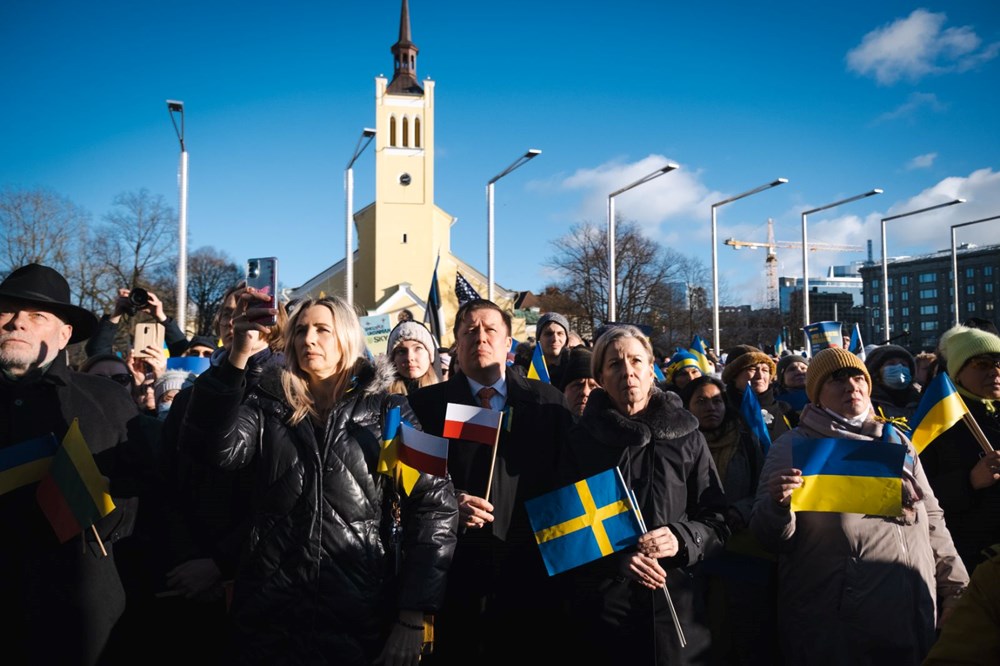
(317, 581)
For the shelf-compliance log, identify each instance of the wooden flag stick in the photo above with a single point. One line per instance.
(99, 542)
(977, 432)
(493, 460)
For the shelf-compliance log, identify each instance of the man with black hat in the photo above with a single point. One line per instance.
(59, 601)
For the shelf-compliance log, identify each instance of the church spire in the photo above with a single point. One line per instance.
(404, 55)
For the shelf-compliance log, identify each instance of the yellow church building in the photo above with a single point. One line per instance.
(402, 233)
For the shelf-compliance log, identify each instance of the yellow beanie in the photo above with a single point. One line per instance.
(960, 343)
(827, 362)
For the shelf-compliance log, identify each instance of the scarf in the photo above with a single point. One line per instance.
(987, 403)
(723, 442)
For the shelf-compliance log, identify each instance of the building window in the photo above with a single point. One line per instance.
(416, 132)
(970, 289)
(875, 298)
(876, 283)
(905, 295)
(970, 272)
(927, 277)
(987, 270)
(928, 293)
(904, 280)
(928, 326)
(988, 305)
(988, 287)
(406, 131)
(904, 312)
(970, 306)
(928, 309)
(392, 130)
(404, 239)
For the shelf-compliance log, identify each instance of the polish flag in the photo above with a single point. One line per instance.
(472, 423)
(422, 451)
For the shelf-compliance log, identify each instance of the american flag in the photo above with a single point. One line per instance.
(464, 290)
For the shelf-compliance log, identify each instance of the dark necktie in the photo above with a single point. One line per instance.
(484, 395)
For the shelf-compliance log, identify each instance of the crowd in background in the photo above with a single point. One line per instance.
(253, 524)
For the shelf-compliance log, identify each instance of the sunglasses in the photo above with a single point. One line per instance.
(985, 364)
(197, 354)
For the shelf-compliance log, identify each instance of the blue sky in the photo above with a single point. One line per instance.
(838, 98)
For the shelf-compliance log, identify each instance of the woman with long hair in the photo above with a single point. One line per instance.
(340, 567)
(412, 351)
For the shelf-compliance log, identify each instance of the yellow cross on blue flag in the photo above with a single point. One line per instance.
(584, 521)
(849, 476)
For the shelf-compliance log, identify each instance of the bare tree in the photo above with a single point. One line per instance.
(210, 274)
(138, 234)
(649, 276)
(38, 226)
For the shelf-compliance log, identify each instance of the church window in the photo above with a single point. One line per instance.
(392, 130)
(406, 131)
(416, 132)
(404, 239)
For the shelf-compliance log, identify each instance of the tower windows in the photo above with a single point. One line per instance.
(392, 130)
(406, 131)
(416, 132)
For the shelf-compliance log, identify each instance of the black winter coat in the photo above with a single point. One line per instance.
(665, 461)
(317, 583)
(60, 602)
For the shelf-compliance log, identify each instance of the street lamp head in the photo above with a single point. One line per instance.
(875, 191)
(368, 132)
(669, 167)
(175, 106)
(779, 181)
(532, 152)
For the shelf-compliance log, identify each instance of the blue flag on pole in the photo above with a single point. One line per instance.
(754, 417)
(857, 347)
(584, 521)
(779, 345)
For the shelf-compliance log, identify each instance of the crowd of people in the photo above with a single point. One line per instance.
(253, 520)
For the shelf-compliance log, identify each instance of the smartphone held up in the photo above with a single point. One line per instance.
(262, 276)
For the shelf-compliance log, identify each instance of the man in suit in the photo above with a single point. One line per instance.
(500, 602)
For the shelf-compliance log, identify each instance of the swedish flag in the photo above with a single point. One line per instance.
(584, 521)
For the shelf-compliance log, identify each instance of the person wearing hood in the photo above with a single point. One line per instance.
(966, 480)
(749, 365)
(412, 350)
(854, 588)
(618, 602)
(341, 565)
(579, 380)
(892, 369)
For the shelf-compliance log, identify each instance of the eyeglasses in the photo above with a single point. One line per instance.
(124, 379)
(985, 364)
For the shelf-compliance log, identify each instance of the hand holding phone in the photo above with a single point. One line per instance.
(262, 277)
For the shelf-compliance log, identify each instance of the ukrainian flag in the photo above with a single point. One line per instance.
(26, 462)
(779, 345)
(701, 353)
(584, 521)
(940, 408)
(538, 370)
(849, 476)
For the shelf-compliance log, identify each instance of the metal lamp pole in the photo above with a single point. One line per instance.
(885, 262)
(173, 107)
(367, 134)
(523, 159)
(805, 253)
(954, 260)
(612, 278)
(715, 256)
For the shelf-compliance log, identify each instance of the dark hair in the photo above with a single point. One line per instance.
(91, 361)
(688, 391)
(479, 304)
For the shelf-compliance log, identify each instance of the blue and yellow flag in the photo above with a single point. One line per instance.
(701, 353)
(26, 462)
(849, 476)
(940, 408)
(779, 345)
(584, 521)
(753, 416)
(538, 370)
(388, 459)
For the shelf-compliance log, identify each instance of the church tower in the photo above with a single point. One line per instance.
(401, 234)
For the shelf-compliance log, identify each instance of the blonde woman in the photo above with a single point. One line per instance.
(320, 581)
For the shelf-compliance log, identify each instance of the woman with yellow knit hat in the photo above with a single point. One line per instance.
(853, 588)
(966, 481)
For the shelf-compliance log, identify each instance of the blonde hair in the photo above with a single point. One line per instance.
(350, 340)
(274, 337)
(609, 338)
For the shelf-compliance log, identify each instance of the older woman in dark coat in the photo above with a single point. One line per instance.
(663, 458)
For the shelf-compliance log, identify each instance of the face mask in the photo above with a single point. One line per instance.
(896, 376)
(162, 409)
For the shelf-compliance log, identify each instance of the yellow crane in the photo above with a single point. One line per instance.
(771, 261)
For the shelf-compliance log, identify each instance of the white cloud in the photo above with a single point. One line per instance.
(677, 194)
(921, 161)
(913, 47)
(913, 104)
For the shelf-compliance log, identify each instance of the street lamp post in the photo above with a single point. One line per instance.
(715, 256)
(523, 159)
(367, 134)
(885, 262)
(805, 253)
(612, 278)
(954, 260)
(173, 106)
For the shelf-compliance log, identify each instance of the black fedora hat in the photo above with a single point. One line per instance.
(45, 287)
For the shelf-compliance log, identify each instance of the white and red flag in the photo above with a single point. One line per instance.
(475, 424)
(423, 451)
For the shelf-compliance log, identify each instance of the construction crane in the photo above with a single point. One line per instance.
(771, 261)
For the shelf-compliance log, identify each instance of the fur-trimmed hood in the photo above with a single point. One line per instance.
(663, 419)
